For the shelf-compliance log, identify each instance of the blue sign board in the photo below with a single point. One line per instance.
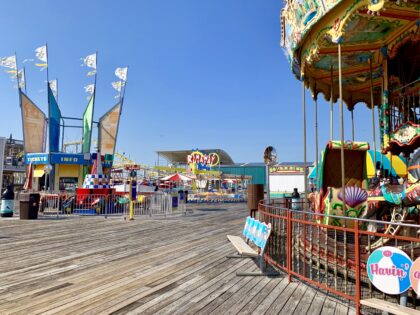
(37, 158)
(68, 158)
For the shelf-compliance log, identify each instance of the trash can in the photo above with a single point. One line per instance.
(29, 205)
(174, 201)
(255, 193)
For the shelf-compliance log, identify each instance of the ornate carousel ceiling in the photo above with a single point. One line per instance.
(366, 29)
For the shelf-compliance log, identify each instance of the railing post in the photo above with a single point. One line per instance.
(357, 259)
(289, 244)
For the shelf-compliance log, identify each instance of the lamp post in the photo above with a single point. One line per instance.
(270, 158)
(47, 170)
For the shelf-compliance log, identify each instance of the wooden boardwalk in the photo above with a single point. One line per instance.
(177, 265)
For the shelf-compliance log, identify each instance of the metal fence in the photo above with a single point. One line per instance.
(62, 204)
(332, 257)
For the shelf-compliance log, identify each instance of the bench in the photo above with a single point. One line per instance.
(257, 232)
(389, 307)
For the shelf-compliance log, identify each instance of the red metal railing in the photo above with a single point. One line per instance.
(332, 258)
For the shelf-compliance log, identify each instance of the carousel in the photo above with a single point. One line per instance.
(358, 52)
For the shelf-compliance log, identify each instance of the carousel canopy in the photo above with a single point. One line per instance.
(176, 178)
(375, 30)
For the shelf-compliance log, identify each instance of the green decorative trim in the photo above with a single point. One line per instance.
(349, 145)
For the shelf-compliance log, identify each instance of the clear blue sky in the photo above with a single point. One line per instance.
(202, 74)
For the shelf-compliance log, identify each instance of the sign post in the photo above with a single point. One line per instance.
(133, 192)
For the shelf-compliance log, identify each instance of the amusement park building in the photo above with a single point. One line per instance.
(12, 168)
(227, 167)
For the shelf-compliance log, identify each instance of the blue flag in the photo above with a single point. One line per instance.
(53, 122)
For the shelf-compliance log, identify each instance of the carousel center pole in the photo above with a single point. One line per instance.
(373, 113)
(340, 91)
(316, 138)
(331, 106)
(304, 141)
(352, 125)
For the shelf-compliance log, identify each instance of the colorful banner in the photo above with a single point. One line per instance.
(87, 125)
(33, 120)
(53, 122)
(108, 129)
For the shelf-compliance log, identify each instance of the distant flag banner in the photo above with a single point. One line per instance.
(90, 88)
(90, 61)
(8, 62)
(54, 122)
(121, 73)
(33, 120)
(41, 54)
(21, 79)
(108, 128)
(53, 87)
(118, 85)
(87, 124)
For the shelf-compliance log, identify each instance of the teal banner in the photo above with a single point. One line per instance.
(53, 122)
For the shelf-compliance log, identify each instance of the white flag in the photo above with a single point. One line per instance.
(8, 62)
(118, 85)
(41, 53)
(90, 88)
(121, 73)
(90, 61)
(53, 87)
(21, 79)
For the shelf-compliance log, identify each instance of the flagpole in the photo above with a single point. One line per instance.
(123, 92)
(46, 55)
(17, 75)
(94, 99)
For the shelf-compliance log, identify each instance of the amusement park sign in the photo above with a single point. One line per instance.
(203, 161)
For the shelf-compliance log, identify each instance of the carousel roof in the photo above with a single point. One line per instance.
(367, 30)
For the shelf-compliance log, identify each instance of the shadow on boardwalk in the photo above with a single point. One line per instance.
(149, 266)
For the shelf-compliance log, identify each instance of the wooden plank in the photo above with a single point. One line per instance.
(389, 307)
(260, 297)
(282, 299)
(329, 306)
(295, 299)
(341, 309)
(317, 303)
(271, 298)
(305, 302)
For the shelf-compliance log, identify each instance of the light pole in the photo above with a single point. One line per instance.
(47, 170)
(270, 158)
